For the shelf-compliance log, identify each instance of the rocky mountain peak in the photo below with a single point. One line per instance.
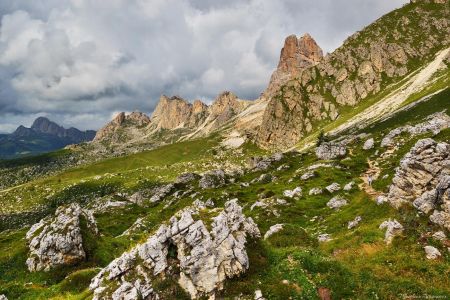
(199, 107)
(171, 112)
(44, 125)
(297, 54)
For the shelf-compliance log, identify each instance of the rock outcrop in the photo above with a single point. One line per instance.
(393, 229)
(203, 259)
(362, 66)
(423, 179)
(123, 128)
(330, 150)
(58, 241)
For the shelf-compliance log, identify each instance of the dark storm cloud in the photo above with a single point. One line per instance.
(81, 61)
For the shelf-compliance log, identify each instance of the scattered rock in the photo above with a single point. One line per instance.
(3, 297)
(337, 202)
(315, 191)
(161, 192)
(259, 295)
(324, 237)
(381, 199)
(354, 223)
(293, 193)
(205, 258)
(307, 176)
(369, 144)
(273, 229)
(432, 253)
(212, 179)
(330, 150)
(349, 186)
(440, 236)
(58, 241)
(263, 163)
(264, 178)
(334, 187)
(441, 218)
(393, 228)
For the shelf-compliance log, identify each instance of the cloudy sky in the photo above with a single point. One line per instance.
(80, 61)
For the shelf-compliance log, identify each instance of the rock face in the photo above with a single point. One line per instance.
(423, 179)
(330, 150)
(205, 258)
(366, 61)
(175, 112)
(58, 241)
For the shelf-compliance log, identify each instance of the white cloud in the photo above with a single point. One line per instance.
(79, 61)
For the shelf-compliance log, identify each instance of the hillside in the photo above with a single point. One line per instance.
(194, 202)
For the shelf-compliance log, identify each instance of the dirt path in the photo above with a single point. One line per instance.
(373, 171)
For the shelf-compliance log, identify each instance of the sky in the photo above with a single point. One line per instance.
(79, 62)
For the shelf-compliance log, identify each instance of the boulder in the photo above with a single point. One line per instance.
(369, 144)
(349, 186)
(393, 228)
(273, 229)
(315, 191)
(440, 236)
(293, 193)
(57, 241)
(354, 223)
(334, 187)
(432, 253)
(259, 295)
(307, 175)
(329, 150)
(337, 202)
(205, 258)
(324, 237)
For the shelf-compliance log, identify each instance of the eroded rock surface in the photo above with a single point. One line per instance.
(206, 258)
(423, 179)
(58, 241)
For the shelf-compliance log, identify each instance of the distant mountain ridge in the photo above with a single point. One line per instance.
(43, 136)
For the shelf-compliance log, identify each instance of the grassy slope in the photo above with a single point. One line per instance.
(355, 264)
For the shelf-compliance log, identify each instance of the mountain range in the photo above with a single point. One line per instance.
(43, 136)
(333, 184)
